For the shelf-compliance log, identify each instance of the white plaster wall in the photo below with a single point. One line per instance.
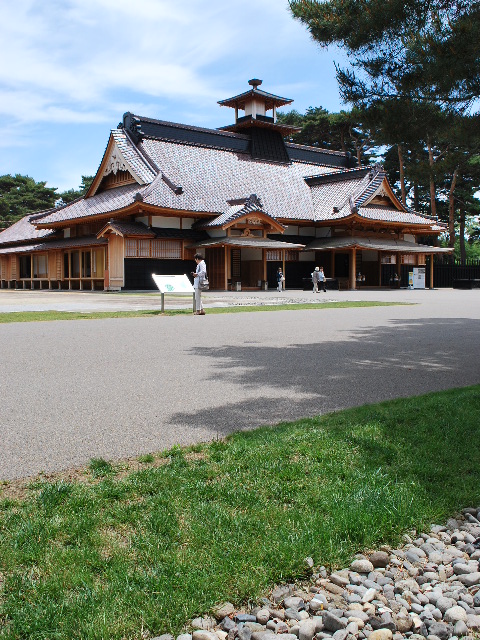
(143, 219)
(323, 232)
(408, 237)
(165, 223)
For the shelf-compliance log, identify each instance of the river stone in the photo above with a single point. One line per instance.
(369, 595)
(379, 559)
(454, 614)
(460, 569)
(263, 616)
(361, 565)
(445, 603)
(315, 605)
(470, 579)
(165, 636)
(245, 617)
(442, 630)
(332, 622)
(340, 581)
(293, 602)
(473, 622)
(184, 636)
(223, 610)
(381, 634)
(203, 623)
(279, 593)
(254, 626)
(202, 634)
(306, 629)
(244, 633)
(227, 624)
(403, 622)
(460, 629)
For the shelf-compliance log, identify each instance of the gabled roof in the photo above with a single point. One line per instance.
(123, 229)
(237, 211)
(349, 193)
(270, 99)
(121, 154)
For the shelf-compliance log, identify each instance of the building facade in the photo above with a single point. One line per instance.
(241, 195)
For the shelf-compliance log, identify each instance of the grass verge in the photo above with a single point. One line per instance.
(44, 316)
(149, 549)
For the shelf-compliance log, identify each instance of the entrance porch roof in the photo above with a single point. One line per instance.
(375, 244)
(244, 242)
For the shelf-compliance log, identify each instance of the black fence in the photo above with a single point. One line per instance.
(447, 272)
(450, 272)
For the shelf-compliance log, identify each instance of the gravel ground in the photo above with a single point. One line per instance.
(122, 387)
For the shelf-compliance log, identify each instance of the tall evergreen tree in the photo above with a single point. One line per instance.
(20, 195)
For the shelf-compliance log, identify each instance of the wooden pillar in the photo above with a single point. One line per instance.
(264, 258)
(332, 264)
(226, 254)
(431, 271)
(353, 268)
(283, 269)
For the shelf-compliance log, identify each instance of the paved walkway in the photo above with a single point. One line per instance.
(121, 387)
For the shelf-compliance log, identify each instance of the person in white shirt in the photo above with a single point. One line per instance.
(199, 275)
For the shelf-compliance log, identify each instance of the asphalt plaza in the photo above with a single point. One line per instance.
(116, 388)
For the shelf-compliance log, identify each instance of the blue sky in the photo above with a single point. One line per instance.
(71, 68)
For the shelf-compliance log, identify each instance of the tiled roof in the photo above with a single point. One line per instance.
(101, 203)
(23, 230)
(235, 211)
(141, 128)
(250, 242)
(376, 244)
(377, 212)
(62, 243)
(128, 228)
(138, 162)
(211, 177)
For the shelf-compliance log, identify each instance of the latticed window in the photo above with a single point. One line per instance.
(144, 248)
(274, 254)
(291, 256)
(131, 249)
(167, 249)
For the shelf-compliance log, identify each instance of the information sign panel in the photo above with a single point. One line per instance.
(173, 284)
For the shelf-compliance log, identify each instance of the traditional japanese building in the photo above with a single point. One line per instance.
(242, 195)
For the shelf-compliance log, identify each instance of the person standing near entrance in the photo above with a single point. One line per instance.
(280, 280)
(199, 276)
(316, 279)
(322, 279)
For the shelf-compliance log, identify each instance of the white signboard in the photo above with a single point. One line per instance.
(419, 277)
(173, 284)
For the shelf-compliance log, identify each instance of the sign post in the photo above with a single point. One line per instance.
(173, 284)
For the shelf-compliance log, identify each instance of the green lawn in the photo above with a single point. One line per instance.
(38, 316)
(118, 551)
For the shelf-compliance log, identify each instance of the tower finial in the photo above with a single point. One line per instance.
(255, 82)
